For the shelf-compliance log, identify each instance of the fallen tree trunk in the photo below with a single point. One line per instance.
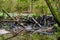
(53, 11)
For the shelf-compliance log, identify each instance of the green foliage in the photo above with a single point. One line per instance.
(1, 14)
(23, 5)
(35, 36)
(53, 10)
(38, 5)
(57, 26)
(1, 37)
